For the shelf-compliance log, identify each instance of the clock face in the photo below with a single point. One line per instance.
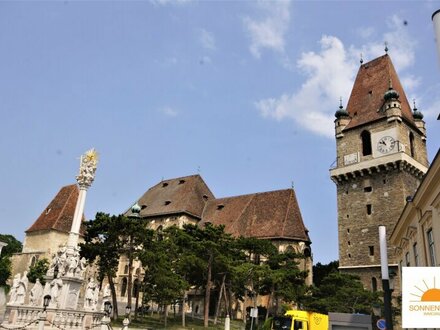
(386, 144)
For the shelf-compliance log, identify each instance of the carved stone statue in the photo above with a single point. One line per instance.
(87, 169)
(79, 271)
(14, 288)
(55, 286)
(89, 298)
(22, 288)
(36, 294)
(106, 294)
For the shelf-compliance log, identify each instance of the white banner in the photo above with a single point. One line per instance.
(421, 297)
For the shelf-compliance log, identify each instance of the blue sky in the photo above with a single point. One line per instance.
(242, 92)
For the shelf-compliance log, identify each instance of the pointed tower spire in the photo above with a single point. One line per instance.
(386, 47)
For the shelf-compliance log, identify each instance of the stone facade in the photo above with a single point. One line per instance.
(381, 159)
(416, 236)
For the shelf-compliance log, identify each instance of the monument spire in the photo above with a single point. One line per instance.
(87, 169)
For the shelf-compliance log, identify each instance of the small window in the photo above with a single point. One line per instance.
(411, 144)
(349, 243)
(374, 284)
(416, 255)
(407, 261)
(167, 202)
(181, 181)
(164, 184)
(368, 189)
(369, 209)
(348, 216)
(126, 269)
(143, 207)
(220, 206)
(205, 197)
(349, 255)
(348, 231)
(371, 250)
(384, 181)
(366, 143)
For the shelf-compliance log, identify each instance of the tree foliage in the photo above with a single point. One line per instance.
(343, 293)
(38, 270)
(13, 246)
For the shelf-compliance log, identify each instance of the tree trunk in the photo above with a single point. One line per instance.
(114, 300)
(185, 297)
(137, 301)
(165, 315)
(130, 272)
(207, 293)
(269, 302)
(219, 300)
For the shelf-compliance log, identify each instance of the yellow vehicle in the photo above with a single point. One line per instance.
(300, 320)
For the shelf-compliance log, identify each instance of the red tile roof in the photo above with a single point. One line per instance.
(366, 99)
(58, 215)
(273, 214)
(180, 195)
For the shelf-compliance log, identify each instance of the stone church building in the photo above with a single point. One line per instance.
(273, 215)
(49, 231)
(381, 159)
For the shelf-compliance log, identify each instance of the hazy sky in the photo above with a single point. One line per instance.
(243, 92)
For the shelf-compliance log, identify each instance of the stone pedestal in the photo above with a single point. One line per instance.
(70, 292)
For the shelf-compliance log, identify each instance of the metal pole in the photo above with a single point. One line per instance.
(385, 277)
(436, 22)
(42, 320)
(227, 322)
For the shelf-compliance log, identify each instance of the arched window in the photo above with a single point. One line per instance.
(135, 287)
(33, 260)
(411, 144)
(374, 284)
(126, 269)
(124, 286)
(307, 253)
(366, 143)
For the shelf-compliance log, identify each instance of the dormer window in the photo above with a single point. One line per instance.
(181, 181)
(167, 202)
(143, 207)
(48, 210)
(164, 184)
(220, 206)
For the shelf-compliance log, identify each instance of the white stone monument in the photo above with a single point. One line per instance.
(66, 271)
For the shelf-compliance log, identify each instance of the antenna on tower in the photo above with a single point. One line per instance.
(386, 47)
(340, 102)
(361, 60)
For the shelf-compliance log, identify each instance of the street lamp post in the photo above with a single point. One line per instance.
(126, 321)
(43, 314)
(105, 321)
(385, 277)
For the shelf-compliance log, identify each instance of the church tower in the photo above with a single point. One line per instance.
(381, 158)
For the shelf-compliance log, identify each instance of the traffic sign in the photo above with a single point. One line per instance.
(381, 324)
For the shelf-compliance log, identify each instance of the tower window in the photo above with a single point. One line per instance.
(164, 184)
(167, 202)
(374, 284)
(369, 209)
(366, 143)
(348, 230)
(349, 243)
(348, 216)
(407, 261)
(349, 255)
(368, 189)
(371, 250)
(411, 144)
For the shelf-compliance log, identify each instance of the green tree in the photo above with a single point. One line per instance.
(163, 281)
(13, 246)
(321, 271)
(102, 245)
(343, 293)
(38, 270)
